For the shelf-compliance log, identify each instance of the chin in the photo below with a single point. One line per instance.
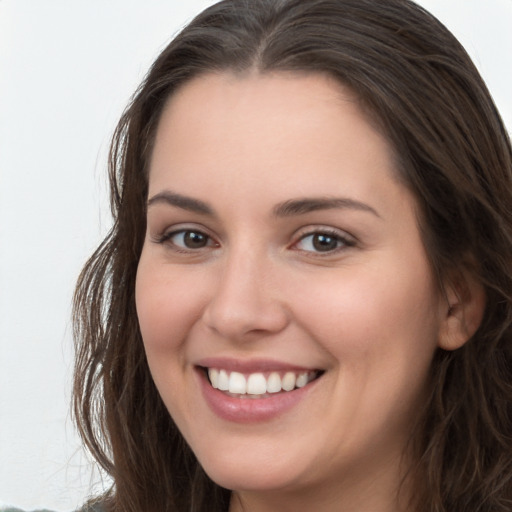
(248, 475)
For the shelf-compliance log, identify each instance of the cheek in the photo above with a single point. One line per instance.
(372, 312)
(166, 305)
(152, 310)
(164, 314)
(381, 331)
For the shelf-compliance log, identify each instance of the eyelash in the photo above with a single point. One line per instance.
(167, 238)
(342, 241)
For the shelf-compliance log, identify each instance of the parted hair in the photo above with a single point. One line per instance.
(419, 86)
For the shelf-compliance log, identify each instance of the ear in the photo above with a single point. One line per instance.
(462, 311)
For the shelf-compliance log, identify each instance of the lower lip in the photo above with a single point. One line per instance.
(251, 410)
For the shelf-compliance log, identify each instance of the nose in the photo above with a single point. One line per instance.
(246, 300)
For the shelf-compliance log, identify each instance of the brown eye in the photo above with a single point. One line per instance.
(323, 242)
(188, 239)
(194, 240)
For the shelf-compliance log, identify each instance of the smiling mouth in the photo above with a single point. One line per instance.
(260, 384)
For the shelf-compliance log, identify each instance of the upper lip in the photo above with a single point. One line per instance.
(251, 365)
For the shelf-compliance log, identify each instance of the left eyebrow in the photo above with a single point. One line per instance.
(307, 205)
(180, 201)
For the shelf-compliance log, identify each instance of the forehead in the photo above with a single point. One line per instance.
(250, 87)
(264, 122)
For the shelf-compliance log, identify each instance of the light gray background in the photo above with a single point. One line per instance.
(67, 69)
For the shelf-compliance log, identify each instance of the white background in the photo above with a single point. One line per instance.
(67, 69)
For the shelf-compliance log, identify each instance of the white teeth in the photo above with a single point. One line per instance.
(288, 382)
(256, 384)
(214, 377)
(274, 383)
(237, 383)
(302, 380)
(223, 381)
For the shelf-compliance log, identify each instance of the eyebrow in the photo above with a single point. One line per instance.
(285, 209)
(307, 205)
(184, 202)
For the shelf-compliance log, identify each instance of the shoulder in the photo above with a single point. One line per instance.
(13, 509)
(97, 507)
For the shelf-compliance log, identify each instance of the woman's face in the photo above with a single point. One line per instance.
(284, 258)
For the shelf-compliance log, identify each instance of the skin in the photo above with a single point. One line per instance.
(368, 313)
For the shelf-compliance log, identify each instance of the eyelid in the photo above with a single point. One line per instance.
(164, 237)
(345, 238)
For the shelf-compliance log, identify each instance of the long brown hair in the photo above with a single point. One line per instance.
(453, 153)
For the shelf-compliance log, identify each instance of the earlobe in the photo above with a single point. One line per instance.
(463, 311)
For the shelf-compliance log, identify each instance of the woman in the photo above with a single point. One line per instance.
(304, 302)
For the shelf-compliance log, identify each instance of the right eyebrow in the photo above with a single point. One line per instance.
(180, 201)
(307, 205)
